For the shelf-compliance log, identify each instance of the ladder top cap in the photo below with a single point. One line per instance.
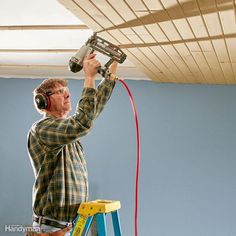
(98, 206)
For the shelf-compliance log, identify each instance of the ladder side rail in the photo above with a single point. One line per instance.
(101, 224)
(116, 223)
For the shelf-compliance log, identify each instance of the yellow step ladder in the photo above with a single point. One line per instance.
(98, 208)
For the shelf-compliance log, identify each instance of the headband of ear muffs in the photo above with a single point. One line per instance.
(42, 101)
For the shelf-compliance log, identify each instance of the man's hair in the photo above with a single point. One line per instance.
(46, 87)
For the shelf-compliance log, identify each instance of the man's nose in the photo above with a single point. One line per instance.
(66, 93)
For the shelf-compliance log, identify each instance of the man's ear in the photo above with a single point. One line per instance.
(42, 101)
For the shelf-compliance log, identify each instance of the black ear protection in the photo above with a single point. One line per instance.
(42, 101)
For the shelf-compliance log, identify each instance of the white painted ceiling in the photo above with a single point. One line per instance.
(37, 39)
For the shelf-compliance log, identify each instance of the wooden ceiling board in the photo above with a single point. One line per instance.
(144, 34)
(177, 61)
(123, 9)
(95, 13)
(212, 61)
(197, 26)
(131, 35)
(170, 30)
(158, 77)
(201, 61)
(213, 24)
(153, 54)
(197, 75)
(171, 41)
(231, 44)
(151, 65)
(138, 7)
(224, 60)
(152, 5)
(108, 11)
(117, 34)
(177, 74)
(81, 14)
(157, 33)
(183, 28)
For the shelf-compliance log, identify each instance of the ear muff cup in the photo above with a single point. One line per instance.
(42, 101)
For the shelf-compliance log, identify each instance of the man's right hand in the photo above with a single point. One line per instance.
(90, 66)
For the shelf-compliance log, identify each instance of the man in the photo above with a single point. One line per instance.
(61, 181)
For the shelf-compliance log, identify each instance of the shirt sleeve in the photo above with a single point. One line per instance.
(54, 132)
(103, 94)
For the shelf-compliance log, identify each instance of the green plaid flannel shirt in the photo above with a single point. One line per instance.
(61, 179)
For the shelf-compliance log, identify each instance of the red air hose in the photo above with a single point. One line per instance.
(138, 159)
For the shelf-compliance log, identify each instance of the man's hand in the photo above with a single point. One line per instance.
(90, 66)
(112, 69)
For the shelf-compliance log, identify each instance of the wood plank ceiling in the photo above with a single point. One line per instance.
(174, 41)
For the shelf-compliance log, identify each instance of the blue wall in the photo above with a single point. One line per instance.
(188, 146)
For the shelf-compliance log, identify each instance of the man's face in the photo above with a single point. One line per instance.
(60, 100)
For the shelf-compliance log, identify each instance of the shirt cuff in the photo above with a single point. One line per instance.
(88, 92)
(109, 83)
